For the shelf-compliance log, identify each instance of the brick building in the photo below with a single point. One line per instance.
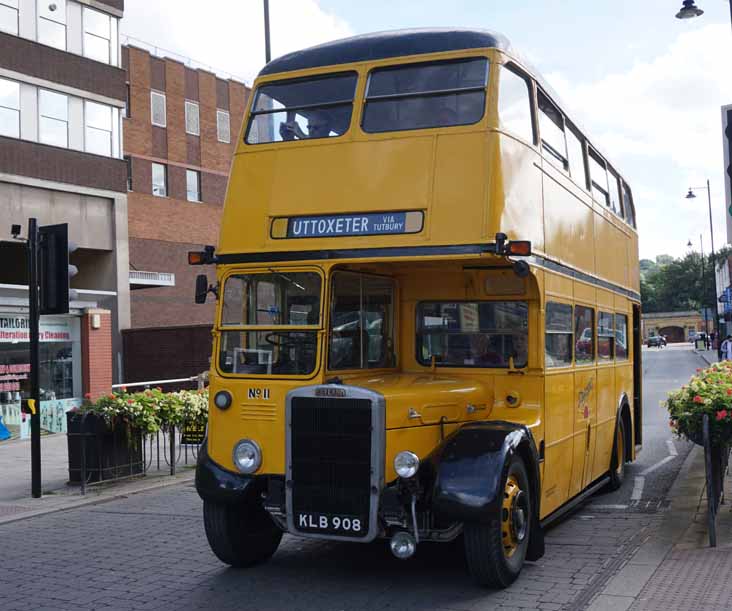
(180, 134)
(62, 92)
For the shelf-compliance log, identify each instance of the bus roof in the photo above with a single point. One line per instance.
(380, 45)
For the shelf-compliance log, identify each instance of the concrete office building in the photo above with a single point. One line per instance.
(62, 94)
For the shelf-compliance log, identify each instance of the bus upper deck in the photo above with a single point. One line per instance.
(438, 139)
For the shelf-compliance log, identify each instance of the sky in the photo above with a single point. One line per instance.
(647, 88)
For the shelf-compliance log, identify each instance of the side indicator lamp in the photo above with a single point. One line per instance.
(202, 257)
(519, 249)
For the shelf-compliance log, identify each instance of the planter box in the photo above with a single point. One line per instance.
(110, 451)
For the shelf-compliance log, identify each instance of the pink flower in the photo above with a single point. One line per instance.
(698, 399)
(87, 395)
(729, 391)
(721, 414)
(130, 401)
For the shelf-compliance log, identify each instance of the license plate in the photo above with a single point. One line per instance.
(348, 526)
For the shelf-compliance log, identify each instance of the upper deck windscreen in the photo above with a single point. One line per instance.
(317, 107)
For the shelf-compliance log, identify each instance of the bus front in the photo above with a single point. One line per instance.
(374, 369)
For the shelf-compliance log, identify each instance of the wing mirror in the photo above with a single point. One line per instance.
(203, 289)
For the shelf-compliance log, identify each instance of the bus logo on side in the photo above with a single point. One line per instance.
(258, 393)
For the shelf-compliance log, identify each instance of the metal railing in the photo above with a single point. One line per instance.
(201, 379)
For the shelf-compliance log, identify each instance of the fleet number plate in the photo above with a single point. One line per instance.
(329, 524)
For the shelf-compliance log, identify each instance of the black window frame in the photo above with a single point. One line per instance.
(253, 113)
(542, 100)
(421, 94)
(624, 317)
(518, 72)
(610, 336)
(570, 333)
(592, 153)
(585, 361)
(577, 133)
(628, 205)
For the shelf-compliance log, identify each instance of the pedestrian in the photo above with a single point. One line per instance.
(726, 348)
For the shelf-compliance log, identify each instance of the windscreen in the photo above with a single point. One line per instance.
(302, 109)
(473, 334)
(271, 302)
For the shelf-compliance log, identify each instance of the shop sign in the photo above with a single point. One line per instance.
(53, 414)
(16, 329)
(12, 375)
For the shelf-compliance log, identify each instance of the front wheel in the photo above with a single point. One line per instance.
(495, 550)
(239, 535)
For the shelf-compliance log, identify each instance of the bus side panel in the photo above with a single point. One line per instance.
(559, 431)
(568, 220)
(607, 407)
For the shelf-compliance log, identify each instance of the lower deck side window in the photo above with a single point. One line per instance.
(473, 334)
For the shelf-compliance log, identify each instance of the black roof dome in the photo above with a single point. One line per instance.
(380, 45)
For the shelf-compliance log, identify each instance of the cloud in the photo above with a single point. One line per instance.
(227, 36)
(659, 121)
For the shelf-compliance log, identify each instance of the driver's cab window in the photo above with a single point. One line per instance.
(361, 322)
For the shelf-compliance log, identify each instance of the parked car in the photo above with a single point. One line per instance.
(656, 341)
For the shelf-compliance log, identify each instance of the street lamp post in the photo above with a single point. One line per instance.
(689, 10)
(690, 195)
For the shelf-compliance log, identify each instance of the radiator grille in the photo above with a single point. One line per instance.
(331, 443)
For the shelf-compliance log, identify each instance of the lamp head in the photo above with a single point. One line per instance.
(689, 10)
(690, 194)
(688, 244)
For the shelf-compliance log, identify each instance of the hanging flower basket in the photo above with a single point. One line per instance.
(708, 392)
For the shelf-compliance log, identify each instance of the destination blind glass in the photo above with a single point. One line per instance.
(343, 225)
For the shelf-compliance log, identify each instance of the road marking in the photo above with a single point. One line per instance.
(660, 463)
(593, 506)
(638, 488)
(671, 447)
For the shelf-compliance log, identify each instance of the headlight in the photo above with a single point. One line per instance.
(247, 456)
(406, 464)
(222, 399)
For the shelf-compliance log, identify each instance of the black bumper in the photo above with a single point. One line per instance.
(216, 484)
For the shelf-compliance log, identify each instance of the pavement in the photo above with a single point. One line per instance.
(16, 501)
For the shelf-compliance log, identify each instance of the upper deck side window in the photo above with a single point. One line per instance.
(421, 96)
(551, 128)
(302, 109)
(514, 104)
(598, 178)
(628, 206)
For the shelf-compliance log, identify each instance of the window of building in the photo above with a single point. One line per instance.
(9, 108)
(473, 334)
(157, 109)
(128, 161)
(551, 128)
(127, 110)
(575, 150)
(52, 23)
(223, 126)
(420, 96)
(605, 336)
(621, 337)
(514, 105)
(584, 337)
(97, 35)
(598, 178)
(97, 128)
(53, 124)
(302, 109)
(159, 180)
(361, 322)
(193, 124)
(558, 336)
(193, 186)
(9, 16)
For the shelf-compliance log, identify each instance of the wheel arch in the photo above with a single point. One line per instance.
(623, 413)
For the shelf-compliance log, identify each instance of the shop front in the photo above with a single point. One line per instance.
(60, 368)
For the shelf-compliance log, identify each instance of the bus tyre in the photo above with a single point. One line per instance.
(617, 462)
(240, 536)
(495, 550)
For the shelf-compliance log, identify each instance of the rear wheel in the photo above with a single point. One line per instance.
(617, 463)
(240, 535)
(495, 551)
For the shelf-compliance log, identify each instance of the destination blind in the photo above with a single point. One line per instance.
(342, 225)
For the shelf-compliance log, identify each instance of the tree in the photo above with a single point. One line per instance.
(678, 285)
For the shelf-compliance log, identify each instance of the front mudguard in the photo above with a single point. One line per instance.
(469, 473)
(217, 485)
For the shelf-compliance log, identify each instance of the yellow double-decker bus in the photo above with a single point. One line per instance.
(428, 310)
